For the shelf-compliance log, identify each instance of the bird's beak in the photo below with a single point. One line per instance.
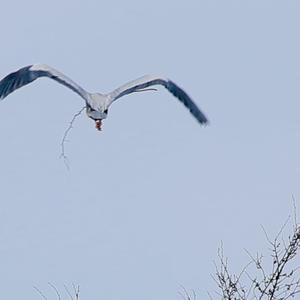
(98, 124)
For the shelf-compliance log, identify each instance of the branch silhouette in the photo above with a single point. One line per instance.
(279, 283)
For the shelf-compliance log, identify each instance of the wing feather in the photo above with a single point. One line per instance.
(148, 80)
(28, 74)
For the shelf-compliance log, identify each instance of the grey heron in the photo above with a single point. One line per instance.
(97, 104)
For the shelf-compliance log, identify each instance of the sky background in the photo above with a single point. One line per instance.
(148, 200)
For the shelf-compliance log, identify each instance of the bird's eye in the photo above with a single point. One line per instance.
(90, 109)
(106, 111)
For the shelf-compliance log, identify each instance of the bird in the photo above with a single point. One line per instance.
(97, 104)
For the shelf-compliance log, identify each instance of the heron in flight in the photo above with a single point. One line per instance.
(97, 104)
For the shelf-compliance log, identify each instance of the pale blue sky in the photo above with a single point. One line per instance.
(148, 200)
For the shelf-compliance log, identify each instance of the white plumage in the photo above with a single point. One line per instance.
(96, 104)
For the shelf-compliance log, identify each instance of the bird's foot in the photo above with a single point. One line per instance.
(98, 124)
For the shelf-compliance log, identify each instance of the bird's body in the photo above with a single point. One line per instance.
(96, 104)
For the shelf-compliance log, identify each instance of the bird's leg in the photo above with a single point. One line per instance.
(98, 124)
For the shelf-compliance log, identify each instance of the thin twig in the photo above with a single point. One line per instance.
(68, 292)
(210, 296)
(40, 293)
(55, 289)
(185, 295)
(282, 228)
(76, 291)
(266, 234)
(295, 211)
(64, 139)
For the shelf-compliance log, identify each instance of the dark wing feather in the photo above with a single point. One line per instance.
(28, 74)
(142, 83)
(186, 100)
(16, 80)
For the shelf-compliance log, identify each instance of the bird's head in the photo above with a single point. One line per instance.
(96, 108)
(96, 115)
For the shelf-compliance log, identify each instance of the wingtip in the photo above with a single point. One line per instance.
(205, 120)
(206, 123)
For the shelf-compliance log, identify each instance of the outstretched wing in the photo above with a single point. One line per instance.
(30, 73)
(141, 84)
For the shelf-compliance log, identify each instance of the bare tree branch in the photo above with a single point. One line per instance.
(40, 293)
(186, 295)
(76, 291)
(280, 283)
(68, 292)
(55, 289)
